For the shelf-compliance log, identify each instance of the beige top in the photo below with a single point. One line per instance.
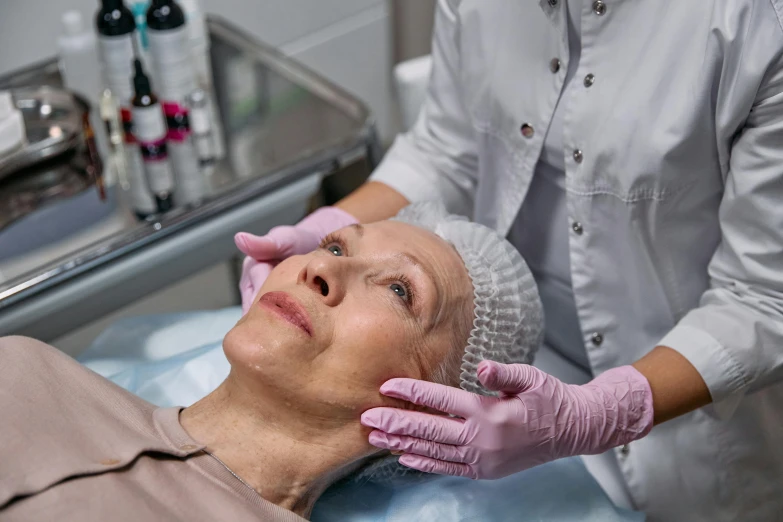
(76, 447)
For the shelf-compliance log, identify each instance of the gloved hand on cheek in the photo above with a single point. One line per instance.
(264, 252)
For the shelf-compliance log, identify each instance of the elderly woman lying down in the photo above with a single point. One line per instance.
(426, 296)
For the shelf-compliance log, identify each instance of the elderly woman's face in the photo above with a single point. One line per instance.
(374, 302)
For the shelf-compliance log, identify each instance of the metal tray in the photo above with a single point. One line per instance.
(53, 121)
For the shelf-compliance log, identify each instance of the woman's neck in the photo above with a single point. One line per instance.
(289, 458)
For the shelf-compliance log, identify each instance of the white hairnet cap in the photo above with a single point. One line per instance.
(508, 318)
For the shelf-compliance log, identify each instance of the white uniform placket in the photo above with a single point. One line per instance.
(583, 266)
(533, 127)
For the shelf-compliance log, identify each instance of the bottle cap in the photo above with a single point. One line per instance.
(73, 23)
(114, 19)
(165, 15)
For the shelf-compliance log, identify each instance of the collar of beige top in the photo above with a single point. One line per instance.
(167, 423)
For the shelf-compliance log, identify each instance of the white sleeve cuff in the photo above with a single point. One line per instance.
(715, 364)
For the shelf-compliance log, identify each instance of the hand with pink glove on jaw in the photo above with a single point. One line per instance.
(535, 419)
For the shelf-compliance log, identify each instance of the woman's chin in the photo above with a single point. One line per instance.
(258, 350)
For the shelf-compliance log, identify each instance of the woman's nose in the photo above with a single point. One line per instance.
(325, 276)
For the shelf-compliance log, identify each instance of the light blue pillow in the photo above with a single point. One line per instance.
(560, 491)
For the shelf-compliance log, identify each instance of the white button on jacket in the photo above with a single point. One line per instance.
(676, 196)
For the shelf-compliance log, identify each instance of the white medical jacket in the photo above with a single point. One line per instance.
(673, 155)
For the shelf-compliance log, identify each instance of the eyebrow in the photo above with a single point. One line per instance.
(359, 229)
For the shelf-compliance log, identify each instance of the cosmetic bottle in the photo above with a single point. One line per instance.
(172, 62)
(149, 128)
(116, 29)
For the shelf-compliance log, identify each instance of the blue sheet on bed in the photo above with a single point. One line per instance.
(175, 359)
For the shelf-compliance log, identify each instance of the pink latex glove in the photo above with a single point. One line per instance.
(537, 419)
(264, 252)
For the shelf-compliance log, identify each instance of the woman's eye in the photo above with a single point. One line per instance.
(399, 290)
(335, 250)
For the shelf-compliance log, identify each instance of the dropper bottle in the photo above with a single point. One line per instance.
(149, 126)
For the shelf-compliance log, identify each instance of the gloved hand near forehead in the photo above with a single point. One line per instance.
(536, 419)
(264, 252)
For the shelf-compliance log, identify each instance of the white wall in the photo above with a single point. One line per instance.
(331, 36)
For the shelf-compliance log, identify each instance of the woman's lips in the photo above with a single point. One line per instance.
(289, 309)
